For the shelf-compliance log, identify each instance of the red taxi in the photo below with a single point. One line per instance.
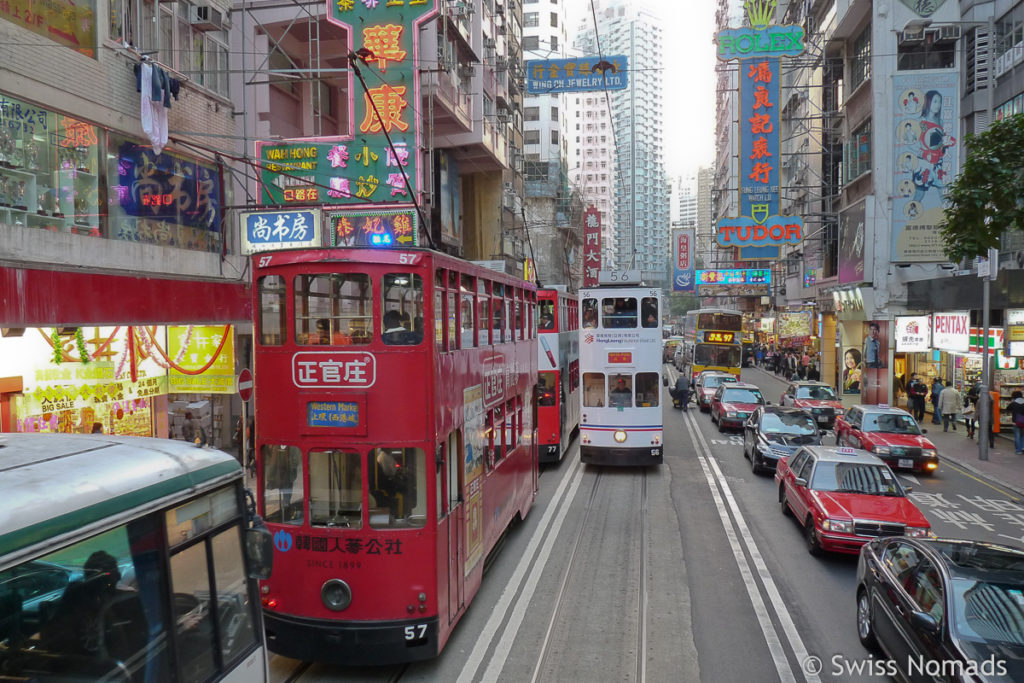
(733, 402)
(891, 434)
(844, 498)
(707, 383)
(817, 398)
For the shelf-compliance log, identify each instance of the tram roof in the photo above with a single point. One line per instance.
(55, 485)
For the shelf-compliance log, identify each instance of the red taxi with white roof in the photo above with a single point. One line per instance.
(891, 434)
(817, 398)
(733, 403)
(707, 383)
(844, 498)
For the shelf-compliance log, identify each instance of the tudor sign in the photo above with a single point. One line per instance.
(952, 331)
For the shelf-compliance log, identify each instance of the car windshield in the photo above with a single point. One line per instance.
(856, 477)
(712, 381)
(990, 611)
(738, 395)
(890, 423)
(788, 423)
(816, 393)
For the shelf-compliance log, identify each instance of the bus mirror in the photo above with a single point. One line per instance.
(259, 550)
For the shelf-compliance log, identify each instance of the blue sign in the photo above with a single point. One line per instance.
(332, 414)
(270, 230)
(582, 74)
(735, 276)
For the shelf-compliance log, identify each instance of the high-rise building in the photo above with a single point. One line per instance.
(684, 200)
(592, 169)
(633, 136)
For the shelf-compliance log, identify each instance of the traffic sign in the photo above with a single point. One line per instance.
(245, 384)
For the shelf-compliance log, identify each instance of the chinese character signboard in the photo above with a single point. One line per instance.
(951, 331)
(794, 327)
(734, 282)
(334, 370)
(547, 76)
(591, 246)
(206, 358)
(71, 24)
(913, 333)
(266, 230)
(361, 167)
(682, 260)
(758, 232)
(925, 159)
(374, 228)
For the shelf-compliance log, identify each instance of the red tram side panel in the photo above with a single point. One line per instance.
(558, 378)
(395, 432)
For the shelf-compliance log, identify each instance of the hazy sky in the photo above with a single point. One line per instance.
(689, 78)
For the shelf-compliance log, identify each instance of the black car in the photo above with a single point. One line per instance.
(773, 432)
(956, 603)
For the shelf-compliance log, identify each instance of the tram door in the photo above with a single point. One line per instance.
(456, 526)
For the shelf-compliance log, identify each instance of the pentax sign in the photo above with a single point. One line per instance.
(952, 331)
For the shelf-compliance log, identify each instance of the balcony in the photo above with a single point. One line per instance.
(484, 148)
(452, 105)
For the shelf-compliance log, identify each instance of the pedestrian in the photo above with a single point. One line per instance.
(937, 387)
(990, 418)
(950, 405)
(812, 373)
(917, 390)
(1017, 417)
(971, 409)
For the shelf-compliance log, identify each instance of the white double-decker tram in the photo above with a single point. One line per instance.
(620, 363)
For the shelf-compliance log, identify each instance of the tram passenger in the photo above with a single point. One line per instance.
(394, 331)
(389, 483)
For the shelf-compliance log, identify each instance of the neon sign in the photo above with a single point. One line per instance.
(720, 337)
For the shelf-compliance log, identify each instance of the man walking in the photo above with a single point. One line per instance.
(917, 392)
(951, 402)
(937, 388)
(1017, 416)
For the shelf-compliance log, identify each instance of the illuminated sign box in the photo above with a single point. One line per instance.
(1016, 349)
(332, 414)
(620, 357)
(268, 230)
(372, 228)
(548, 76)
(735, 276)
(720, 337)
(913, 333)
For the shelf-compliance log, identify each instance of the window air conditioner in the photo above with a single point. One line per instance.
(947, 33)
(912, 37)
(465, 71)
(489, 43)
(206, 18)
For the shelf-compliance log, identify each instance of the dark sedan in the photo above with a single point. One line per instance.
(773, 432)
(943, 609)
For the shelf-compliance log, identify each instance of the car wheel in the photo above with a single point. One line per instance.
(865, 631)
(813, 544)
(754, 467)
(783, 505)
(721, 427)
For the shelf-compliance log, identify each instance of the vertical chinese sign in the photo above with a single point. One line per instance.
(361, 168)
(759, 230)
(591, 246)
(682, 260)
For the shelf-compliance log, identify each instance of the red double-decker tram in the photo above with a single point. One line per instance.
(558, 376)
(394, 413)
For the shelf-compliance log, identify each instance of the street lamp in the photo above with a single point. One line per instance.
(985, 399)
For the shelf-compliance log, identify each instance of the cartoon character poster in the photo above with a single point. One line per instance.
(926, 160)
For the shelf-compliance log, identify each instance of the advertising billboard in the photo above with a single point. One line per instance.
(913, 333)
(579, 74)
(591, 246)
(952, 331)
(682, 260)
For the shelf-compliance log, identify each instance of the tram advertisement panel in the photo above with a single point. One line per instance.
(473, 405)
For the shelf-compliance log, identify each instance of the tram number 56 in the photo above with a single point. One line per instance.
(415, 632)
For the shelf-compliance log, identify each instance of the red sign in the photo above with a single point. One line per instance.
(245, 384)
(591, 246)
(683, 260)
(620, 357)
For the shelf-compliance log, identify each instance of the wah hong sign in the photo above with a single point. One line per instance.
(952, 331)
(913, 333)
(591, 246)
(759, 232)
(682, 259)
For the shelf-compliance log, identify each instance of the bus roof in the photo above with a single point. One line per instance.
(56, 484)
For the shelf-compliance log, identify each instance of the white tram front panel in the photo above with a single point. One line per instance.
(620, 367)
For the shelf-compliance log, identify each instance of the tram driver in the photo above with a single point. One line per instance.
(622, 395)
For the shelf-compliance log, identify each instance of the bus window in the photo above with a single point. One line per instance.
(589, 313)
(234, 613)
(649, 311)
(647, 389)
(546, 388)
(397, 475)
(282, 477)
(593, 389)
(621, 393)
(618, 312)
(272, 310)
(333, 309)
(402, 308)
(717, 354)
(190, 584)
(335, 489)
(188, 521)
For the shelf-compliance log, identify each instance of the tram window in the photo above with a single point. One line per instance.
(466, 316)
(273, 298)
(509, 319)
(335, 489)
(492, 438)
(647, 389)
(333, 309)
(620, 394)
(483, 305)
(282, 477)
(618, 312)
(455, 471)
(402, 308)
(649, 311)
(439, 493)
(547, 389)
(519, 314)
(439, 317)
(593, 389)
(546, 315)
(589, 313)
(498, 313)
(452, 311)
(397, 476)
(90, 611)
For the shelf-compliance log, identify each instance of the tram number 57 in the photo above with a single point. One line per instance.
(415, 632)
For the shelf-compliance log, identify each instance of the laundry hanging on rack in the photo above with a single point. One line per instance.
(156, 87)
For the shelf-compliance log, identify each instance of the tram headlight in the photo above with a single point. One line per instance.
(336, 595)
(620, 435)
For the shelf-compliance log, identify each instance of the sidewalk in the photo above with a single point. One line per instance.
(1003, 468)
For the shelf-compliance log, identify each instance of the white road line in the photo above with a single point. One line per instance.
(785, 619)
(555, 513)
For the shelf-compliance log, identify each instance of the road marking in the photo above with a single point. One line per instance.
(1012, 496)
(548, 527)
(716, 479)
(909, 477)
